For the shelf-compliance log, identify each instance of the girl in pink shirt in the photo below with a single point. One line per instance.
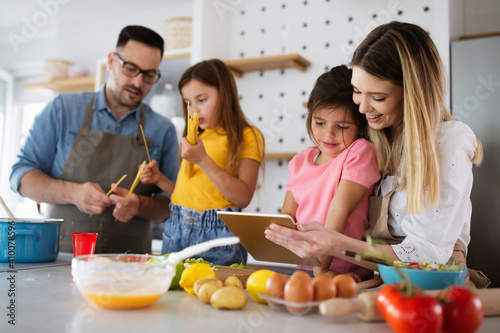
(331, 181)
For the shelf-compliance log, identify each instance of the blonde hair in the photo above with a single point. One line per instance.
(405, 54)
(229, 115)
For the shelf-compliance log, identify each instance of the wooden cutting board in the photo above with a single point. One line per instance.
(241, 273)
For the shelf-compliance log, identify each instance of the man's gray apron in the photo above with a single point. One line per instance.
(103, 158)
(378, 215)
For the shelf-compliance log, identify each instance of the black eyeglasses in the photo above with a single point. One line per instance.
(131, 70)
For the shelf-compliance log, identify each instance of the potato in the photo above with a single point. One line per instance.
(202, 281)
(206, 290)
(233, 281)
(229, 297)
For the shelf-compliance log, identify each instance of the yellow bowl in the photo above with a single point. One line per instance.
(122, 281)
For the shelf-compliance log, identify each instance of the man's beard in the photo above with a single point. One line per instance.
(120, 98)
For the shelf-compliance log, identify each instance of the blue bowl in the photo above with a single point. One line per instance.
(426, 280)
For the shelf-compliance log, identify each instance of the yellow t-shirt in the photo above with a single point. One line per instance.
(198, 192)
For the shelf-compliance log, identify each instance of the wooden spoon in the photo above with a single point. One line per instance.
(7, 209)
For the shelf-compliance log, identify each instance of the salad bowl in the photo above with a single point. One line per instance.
(424, 275)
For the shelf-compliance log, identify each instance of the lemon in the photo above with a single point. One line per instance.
(256, 284)
(193, 273)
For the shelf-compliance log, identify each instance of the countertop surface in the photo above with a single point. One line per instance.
(47, 300)
(63, 259)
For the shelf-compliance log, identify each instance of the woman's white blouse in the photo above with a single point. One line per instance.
(431, 235)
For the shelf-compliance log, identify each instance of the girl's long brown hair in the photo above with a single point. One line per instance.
(230, 117)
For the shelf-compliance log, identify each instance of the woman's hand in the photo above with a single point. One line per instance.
(311, 239)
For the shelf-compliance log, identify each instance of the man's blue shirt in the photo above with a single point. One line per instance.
(54, 130)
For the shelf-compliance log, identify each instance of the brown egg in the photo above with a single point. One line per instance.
(346, 286)
(324, 287)
(298, 289)
(275, 285)
(300, 275)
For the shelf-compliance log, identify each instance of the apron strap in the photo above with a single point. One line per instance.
(378, 215)
(87, 120)
(139, 140)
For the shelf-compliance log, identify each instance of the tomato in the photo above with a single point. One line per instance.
(415, 265)
(385, 297)
(462, 310)
(418, 313)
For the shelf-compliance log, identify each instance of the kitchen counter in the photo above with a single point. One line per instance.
(47, 300)
(63, 259)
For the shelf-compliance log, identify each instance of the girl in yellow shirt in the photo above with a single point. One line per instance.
(218, 172)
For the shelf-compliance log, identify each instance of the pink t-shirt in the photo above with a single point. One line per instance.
(313, 187)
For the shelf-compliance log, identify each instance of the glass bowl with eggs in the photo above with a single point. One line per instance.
(300, 294)
(294, 308)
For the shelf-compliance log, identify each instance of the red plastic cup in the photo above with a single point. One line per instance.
(83, 243)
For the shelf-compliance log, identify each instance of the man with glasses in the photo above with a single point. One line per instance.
(82, 143)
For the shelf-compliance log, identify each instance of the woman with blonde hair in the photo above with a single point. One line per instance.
(421, 208)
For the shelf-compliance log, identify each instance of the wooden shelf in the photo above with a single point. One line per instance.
(64, 85)
(279, 156)
(238, 67)
(485, 35)
(178, 53)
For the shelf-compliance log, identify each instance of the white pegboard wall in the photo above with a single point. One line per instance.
(271, 188)
(325, 32)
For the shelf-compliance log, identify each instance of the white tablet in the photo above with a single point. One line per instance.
(250, 227)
